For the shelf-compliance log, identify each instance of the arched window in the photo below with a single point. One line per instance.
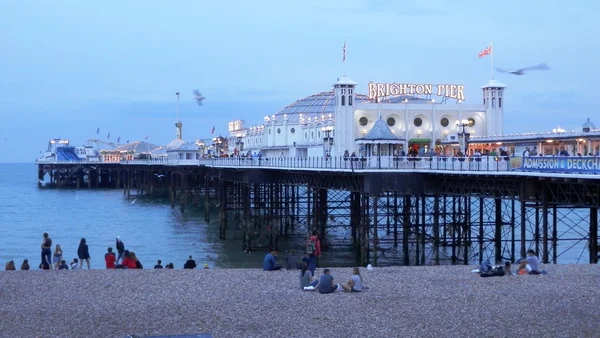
(350, 100)
(499, 102)
(484, 101)
(493, 102)
(343, 100)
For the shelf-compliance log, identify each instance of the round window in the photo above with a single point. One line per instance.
(292, 130)
(444, 122)
(278, 130)
(363, 121)
(391, 121)
(418, 122)
(471, 122)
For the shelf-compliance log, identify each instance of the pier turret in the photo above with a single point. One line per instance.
(179, 126)
(343, 133)
(493, 95)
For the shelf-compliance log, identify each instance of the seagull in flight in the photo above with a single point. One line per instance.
(199, 98)
(541, 66)
(159, 175)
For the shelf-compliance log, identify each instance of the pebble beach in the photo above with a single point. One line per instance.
(401, 301)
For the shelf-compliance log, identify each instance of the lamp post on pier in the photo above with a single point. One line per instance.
(463, 135)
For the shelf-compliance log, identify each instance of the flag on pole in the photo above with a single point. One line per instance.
(118, 139)
(344, 52)
(108, 135)
(213, 130)
(486, 51)
(98, 131)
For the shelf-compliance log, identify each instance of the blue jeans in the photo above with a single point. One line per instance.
(314, 283)
(313, 264)
(47, 256)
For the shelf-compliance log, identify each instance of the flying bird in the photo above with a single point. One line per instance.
(199, 98)
(541, 66)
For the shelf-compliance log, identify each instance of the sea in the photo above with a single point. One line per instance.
(147, 226)
(153, 230)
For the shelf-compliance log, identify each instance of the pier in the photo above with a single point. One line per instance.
(384, 210)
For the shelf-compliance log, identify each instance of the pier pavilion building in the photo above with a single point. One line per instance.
(390, 120)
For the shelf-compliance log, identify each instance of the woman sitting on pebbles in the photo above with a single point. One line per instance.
(306, 277)
(355, 284)
(10, 266)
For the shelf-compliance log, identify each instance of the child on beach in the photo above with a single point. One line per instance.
(74, 264)
(63, 265)
(110, 259)
(10, 266)
(25, 265)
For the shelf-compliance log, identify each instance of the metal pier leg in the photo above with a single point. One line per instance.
(480, 237)
(418, 233)
(246, 217)
(523, 228)
(512, 231)
(222, 210)
(545, 233)
(498, 230)
(453, 229)
(395, 219)
(537, 229)
(206, 200)
(436, 229)
(375, 230)
(554, 235)
(423, 228)
(406, 230)
(355, 222)
(593, 235)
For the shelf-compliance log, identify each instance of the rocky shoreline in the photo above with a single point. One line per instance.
(401, 301)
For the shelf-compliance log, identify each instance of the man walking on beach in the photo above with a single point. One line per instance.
(313, 249)
(46, 250)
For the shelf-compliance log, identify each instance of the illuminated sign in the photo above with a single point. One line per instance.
(377, 90)
(236, 125)
(586, 165)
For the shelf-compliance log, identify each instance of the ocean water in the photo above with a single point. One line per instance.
(149, 227)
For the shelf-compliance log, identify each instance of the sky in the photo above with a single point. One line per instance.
(70, 67)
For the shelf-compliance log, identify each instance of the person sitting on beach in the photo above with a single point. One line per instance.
(63, 265)
(25, 265)
(170, 266)
(270, 261)
(138, 264)
(110, 258)
(326, 284)
(128, 261)
(190, 263)
(355, 284)
(306, 277)
(292, 261)
(45, 265)
(10, 266)
(74, 264)
(533, 262)
(158, 265)
(205, 266)
(507, 268)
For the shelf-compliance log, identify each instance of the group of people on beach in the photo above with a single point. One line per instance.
(307, 266)
(122, 259)
(529, 265)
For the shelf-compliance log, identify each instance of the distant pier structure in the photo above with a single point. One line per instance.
(392, 177)
(414, 211)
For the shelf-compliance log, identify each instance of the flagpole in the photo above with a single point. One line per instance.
(492, 60)
(177, 106)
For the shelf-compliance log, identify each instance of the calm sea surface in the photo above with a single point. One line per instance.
(149, 226)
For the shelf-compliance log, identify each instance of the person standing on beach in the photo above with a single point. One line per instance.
(120, 249)
(110, 259)
(57, 256)
(46, 249)
(313, 249)
(83, 252)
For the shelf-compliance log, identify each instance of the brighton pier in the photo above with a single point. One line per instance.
(401, 185)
